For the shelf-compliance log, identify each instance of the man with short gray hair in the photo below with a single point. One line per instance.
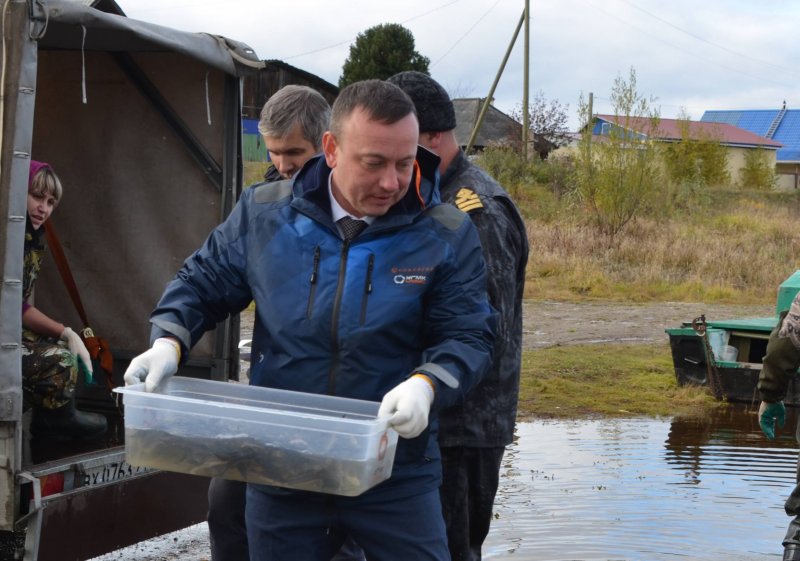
(292, 123)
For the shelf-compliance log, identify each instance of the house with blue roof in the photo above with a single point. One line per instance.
(781, 125)
(738, 142)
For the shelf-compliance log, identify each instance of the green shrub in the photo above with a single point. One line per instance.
(758, 171)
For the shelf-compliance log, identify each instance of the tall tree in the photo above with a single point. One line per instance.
(382, 51)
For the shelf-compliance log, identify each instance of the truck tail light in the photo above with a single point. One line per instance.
(52, 484)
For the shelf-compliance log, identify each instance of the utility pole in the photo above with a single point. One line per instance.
(589, 126)
(488, 100)
(526, 62)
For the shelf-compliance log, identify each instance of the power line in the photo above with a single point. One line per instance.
(474, 25)
(699, 105)
(704, 40)
(431, 11)
(650, 35)
(333, 46)
(352, 39)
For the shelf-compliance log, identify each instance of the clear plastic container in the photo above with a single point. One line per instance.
(260, 435)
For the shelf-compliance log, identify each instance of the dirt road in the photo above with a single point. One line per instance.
(557, 323)
(545, 324)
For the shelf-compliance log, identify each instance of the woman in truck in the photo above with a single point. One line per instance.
(52, 353)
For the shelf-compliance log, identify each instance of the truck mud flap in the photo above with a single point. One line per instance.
(98, 519)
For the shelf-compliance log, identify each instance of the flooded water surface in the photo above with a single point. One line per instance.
(621, 490)
(644, 489)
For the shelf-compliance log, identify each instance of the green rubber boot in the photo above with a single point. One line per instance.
(791, 552)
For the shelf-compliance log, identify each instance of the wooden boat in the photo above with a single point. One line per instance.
(727, 355)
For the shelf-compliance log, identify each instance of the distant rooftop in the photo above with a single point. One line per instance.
(782, 125)
(724, 132)
(496, 127)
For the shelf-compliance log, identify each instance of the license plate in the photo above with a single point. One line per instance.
(108, 473)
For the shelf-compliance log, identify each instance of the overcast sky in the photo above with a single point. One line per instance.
(690, 54)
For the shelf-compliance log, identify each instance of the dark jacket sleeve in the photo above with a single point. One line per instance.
(780, 363)
(506, 253)
(486, 417)
(459, 322)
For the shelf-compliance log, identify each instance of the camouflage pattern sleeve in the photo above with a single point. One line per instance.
(783, 355)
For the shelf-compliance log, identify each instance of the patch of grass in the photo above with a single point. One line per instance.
(738, 250)
(253, 172)
(725, 257)
(606, 380)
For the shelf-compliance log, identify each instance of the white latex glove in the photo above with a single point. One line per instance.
(409, 405)
(76, 347)
(154, 365)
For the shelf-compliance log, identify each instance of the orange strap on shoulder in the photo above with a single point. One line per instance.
(64, 270)
(97, 346)
(418, 182)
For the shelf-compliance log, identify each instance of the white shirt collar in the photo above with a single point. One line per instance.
(336, 209)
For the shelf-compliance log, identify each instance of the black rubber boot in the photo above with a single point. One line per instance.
(67, 422)
(791, 552)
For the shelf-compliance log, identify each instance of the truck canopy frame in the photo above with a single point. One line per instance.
(142, 123)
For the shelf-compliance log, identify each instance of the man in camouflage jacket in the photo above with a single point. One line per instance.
(780, 366)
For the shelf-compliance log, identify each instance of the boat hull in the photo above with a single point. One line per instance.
(735, 381)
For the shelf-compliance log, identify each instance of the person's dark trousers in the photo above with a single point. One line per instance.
(312, 527)
(227, 528)
(470, 477)
(791, 542)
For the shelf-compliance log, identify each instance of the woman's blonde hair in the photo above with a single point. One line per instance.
(46, 182)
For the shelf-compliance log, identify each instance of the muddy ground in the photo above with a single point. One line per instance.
(545, 324)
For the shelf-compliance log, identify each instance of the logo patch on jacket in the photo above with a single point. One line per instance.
(467, 200)
(411, 275)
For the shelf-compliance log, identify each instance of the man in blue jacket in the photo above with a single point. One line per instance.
(367, 287)
(291, 124)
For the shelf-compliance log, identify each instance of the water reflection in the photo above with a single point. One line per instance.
(644, 489)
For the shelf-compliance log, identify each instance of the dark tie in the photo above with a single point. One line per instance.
(351, 227)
